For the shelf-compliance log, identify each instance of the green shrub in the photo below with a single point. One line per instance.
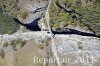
(5, 44)
(56, 25)
(86, 17)
(98, 1)
(18, 41)
(41, 46)
(7, 24)
(23, 43)
(24, 14)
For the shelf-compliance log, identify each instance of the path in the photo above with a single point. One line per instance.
(53, 46)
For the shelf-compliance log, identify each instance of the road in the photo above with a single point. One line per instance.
(53, 46)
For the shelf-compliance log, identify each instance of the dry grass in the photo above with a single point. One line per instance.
(1, 62)
(25, 56)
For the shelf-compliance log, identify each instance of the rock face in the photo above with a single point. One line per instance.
(30, 10)
(75, 47)
(72, 49)
(77, 43)
(68, 46)
(35, 10)
(25, 11)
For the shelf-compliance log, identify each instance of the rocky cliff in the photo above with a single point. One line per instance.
(75, 40)
(67, 46)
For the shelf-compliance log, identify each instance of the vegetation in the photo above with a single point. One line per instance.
(80, 45)
(24, 14)
(1, 62)
(10, 7)
(5, 44)
(41, 46)
(85, 13)
(7, 24)
(16, 42)
(22, 43)
(44, 43)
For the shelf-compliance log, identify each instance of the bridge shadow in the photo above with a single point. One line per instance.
(73, 31)
(33, 26)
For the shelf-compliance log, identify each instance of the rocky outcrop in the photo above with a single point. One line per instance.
(35, 9)
(73, 45)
